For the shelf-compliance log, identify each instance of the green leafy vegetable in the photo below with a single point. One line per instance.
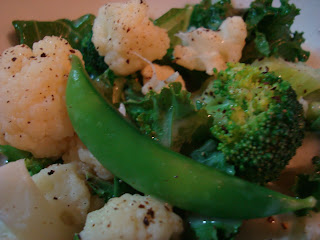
(104, 189)
(174, 21)
(94, 63)
(210, 16)
(76, 237)
(309, 185)
(110, 86)
(78, 33)
(34, 165)
(14, 154)
(269, 32)
(209, 155)
(73, 31)
(203, 228)
(169, 117)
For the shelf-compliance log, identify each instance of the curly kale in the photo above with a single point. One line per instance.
(257, 119)
(269, 32)
(34, 165)
(169, 117)
(94, 63)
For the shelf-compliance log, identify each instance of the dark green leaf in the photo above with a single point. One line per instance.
(203, 228)
(110, 86)
(309, 185)
(210, 156)
(73, 31)
(174, 21)
(102, 188)
(14, 154)
(76, 237)
(35, 165)
(94, 63)
(169, 117)
(208, 15)
(269, 32)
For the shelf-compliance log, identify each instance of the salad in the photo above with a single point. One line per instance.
(185, 126)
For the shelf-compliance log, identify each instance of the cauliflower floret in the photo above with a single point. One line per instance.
(79, 154)
(132, 217)
(204, 49)
(66, 192)
(122, 32)
(156, 77)
(33, 114)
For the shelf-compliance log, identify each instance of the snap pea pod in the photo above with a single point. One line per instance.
(153, 169)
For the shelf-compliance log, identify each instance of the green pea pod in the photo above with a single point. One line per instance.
(153, 169)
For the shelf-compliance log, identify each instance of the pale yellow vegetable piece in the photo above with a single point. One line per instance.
(123, 31)
(24, 209)
(133, 217)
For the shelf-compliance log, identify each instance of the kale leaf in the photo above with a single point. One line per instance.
(169, 117)
(209, 155)
(203, 228)
(29, 32)
(78, 33)
(309, 185)
(34, 165)
(269, 32)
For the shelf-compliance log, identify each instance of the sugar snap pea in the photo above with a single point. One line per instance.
(153, 169)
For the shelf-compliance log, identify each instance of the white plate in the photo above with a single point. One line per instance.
(308, 21)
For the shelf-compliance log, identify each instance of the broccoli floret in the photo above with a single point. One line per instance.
(257, 119)
(94, 63)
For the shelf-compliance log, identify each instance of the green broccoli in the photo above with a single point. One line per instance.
(256, 118)
(94, 63)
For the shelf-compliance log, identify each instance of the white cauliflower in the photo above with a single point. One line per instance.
(204, 49)
(78, 153)
(132, 217)
(123, 33)
(66, 192)
(156, 77)
(33, 114)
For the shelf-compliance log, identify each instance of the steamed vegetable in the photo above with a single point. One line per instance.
(33, 115)
(158, 171)
(257, 119)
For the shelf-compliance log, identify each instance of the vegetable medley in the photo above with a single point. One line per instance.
(118, 126)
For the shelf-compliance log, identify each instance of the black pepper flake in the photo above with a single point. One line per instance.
(72, 51)
(8, 101)
(150, 212)
(55, 198)
(43, 55)
(14, 59)
(128, 61)
(146, 221)
(51, 172)
(141, 206)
